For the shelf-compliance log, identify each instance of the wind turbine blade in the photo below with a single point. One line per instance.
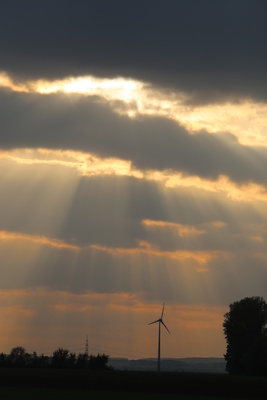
(162, 310)
(158, 320)
(165, 326)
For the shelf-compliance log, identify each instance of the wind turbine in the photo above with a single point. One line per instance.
(160, 321)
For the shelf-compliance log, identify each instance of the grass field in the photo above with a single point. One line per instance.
(7, 393)
(58, 384)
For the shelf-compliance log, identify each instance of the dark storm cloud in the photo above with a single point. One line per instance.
(84, 124)
(212, 49)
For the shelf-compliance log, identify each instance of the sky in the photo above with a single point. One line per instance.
(133, 159)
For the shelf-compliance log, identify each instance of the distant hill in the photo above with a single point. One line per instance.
(209, 365)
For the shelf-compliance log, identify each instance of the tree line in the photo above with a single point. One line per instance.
(244, 327)
(61, 358)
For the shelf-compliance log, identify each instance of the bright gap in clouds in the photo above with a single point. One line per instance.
(245, 119)
(84, 163)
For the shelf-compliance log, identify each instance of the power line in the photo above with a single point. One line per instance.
(95, 348)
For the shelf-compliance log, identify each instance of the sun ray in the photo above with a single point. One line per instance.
(89, 164)
(141, 272)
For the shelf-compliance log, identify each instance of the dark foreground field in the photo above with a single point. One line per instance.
(68, 384)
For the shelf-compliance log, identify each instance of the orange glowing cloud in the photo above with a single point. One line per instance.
(145, 248)
(91, 165)
(201, 257)
(8, 83)
(86, 164)
(42, 240)
(182, 230)
(68, 302)
(238, 192)
(15, 310)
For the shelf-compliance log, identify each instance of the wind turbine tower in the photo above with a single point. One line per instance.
(160, 321)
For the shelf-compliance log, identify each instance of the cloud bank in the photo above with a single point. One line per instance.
(214, 50)
(132, 171)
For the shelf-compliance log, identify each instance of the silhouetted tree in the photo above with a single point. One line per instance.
(98, 362)
(246, 336)
(71, 360)
(60, 358)
(3, 360)
(82, 361)
(18, 356)
(39, 361)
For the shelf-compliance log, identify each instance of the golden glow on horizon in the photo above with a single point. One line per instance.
(245, 119)
(196, 316)
(92, 310)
